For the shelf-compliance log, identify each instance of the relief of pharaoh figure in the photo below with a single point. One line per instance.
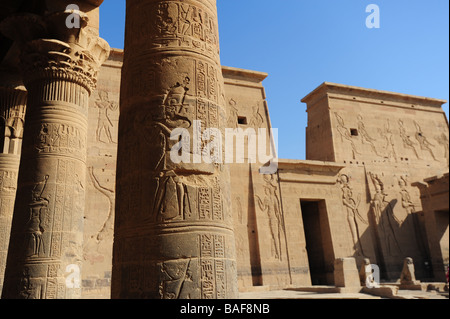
(366, 138)
(407, 143)
(173, 114)
(104, 122)
(271, 205)
(353, 214)
(345, 133)
(389, 145)
(425, 145)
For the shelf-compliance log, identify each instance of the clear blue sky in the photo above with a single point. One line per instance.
(302, 43)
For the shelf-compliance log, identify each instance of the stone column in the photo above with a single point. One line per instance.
(59, 67)
(13, 98)
(173, 230)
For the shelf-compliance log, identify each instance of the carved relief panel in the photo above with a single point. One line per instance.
(394, 208)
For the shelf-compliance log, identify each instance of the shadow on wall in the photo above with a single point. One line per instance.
(387, 241)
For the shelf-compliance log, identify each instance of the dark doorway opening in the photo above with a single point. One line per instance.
(318, 242)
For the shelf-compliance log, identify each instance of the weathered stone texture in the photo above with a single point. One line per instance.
(189, 230)
(59, 68)
(13, 97)
(174, 234)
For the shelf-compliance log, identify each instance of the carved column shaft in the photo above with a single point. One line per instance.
(12, 111)
(173, 231)
(46, 246)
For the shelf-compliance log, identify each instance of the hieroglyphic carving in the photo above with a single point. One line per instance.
(8, 182)
(59, 69)
(425, 145)
(353, 214)
(205, 201)
(104, 122)
(177, 201)
(345, 133)
(177, 24)
(272, 206)
(206, 81)
(172, 278)
(407, 142)
(212, 262)
(60, 138)
(217, 201)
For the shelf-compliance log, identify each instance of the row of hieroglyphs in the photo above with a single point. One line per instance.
(176, 24)
(60, 138)
(385, 143)
(8, 182)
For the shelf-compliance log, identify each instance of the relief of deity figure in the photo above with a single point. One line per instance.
(389, 145)
(407, 203)
(34, 229)
(257, 119)
(384, 217)
(232, 114)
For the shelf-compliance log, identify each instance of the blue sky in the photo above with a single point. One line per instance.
(302, 44)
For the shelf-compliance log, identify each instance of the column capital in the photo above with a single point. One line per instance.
(54, 59)
(13, 99)
(52, 50)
